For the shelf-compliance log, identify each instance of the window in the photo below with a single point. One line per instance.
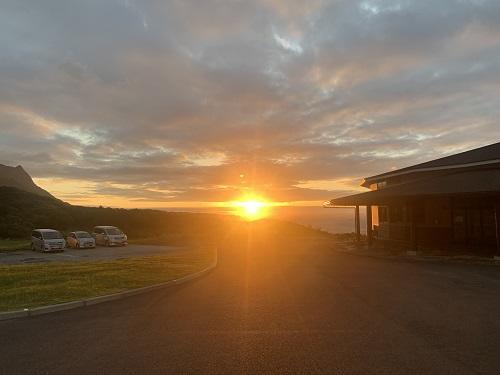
(114, 231)
(396, 214)
(419, 213)
(83, 235)
(382, 214)
(52, 235)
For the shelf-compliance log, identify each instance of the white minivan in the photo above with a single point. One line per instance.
(109, 236)
(47, 240)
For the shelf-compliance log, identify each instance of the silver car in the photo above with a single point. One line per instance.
(80, 240)
(47, 240)
(109, 236)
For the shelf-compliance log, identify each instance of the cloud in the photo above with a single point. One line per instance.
(173, 101)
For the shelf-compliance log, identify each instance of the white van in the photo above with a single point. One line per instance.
(47, 240)
(109, 236)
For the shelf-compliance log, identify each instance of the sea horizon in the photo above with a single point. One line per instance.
(332, 220)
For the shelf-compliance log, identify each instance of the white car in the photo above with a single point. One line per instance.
(109, 236)
(47, 240)
(80, 240)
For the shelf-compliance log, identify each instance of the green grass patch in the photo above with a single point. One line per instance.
(13, 245)
(27, 286)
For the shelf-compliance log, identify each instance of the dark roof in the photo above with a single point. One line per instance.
(486, 181)
(478, 155)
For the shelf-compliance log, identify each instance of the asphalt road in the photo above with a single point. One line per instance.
(274, 306)
(83, 255)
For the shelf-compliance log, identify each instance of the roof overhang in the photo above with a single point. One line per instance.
(478, 182)
(367, 181)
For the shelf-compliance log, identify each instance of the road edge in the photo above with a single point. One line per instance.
(8, 315)
(417, 258)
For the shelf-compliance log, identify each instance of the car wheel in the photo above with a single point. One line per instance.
(77, 245)
(33, 247)
(106, 243)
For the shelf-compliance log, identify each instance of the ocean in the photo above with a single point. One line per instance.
(333, 220)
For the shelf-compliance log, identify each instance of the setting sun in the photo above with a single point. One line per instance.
(251, 209)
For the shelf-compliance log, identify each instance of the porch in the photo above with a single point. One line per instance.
(456, 212)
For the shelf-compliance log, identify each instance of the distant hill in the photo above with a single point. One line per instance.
(24, 206)
(17, 177)
(21, 211)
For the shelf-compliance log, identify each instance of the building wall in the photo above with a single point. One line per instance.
(464, 223)
(437, 212)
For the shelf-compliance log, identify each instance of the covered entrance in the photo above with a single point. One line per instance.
(458, 212)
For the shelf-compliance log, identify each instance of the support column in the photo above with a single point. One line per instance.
(357, 224)
(369, 232)
(497, 230)
(451, 241)
(413, 227)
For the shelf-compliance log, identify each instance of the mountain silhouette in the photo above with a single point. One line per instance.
(18, 178)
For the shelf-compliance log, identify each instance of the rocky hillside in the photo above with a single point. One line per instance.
(18, 178)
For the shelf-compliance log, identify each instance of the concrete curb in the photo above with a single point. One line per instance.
(54, 308)
(110, 297)
(14, 314)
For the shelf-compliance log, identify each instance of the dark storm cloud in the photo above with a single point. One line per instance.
(175, 100)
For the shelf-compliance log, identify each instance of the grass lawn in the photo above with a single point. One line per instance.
(13, 245)
(27, 286)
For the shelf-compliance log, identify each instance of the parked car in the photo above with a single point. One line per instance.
(80, 239)
(109, 236)
(47, 240)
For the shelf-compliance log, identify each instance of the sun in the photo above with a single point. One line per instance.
(251, 209)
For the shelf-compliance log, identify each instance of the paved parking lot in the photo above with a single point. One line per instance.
(79, 255)
(277, 305)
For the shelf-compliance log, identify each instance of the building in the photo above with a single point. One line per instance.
(451, 203)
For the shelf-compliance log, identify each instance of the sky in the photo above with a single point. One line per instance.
(182, 102)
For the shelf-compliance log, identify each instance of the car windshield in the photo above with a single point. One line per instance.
(52, 236)
(113, 231)
(83, 235)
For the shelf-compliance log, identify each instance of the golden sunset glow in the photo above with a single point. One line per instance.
(252, 208)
